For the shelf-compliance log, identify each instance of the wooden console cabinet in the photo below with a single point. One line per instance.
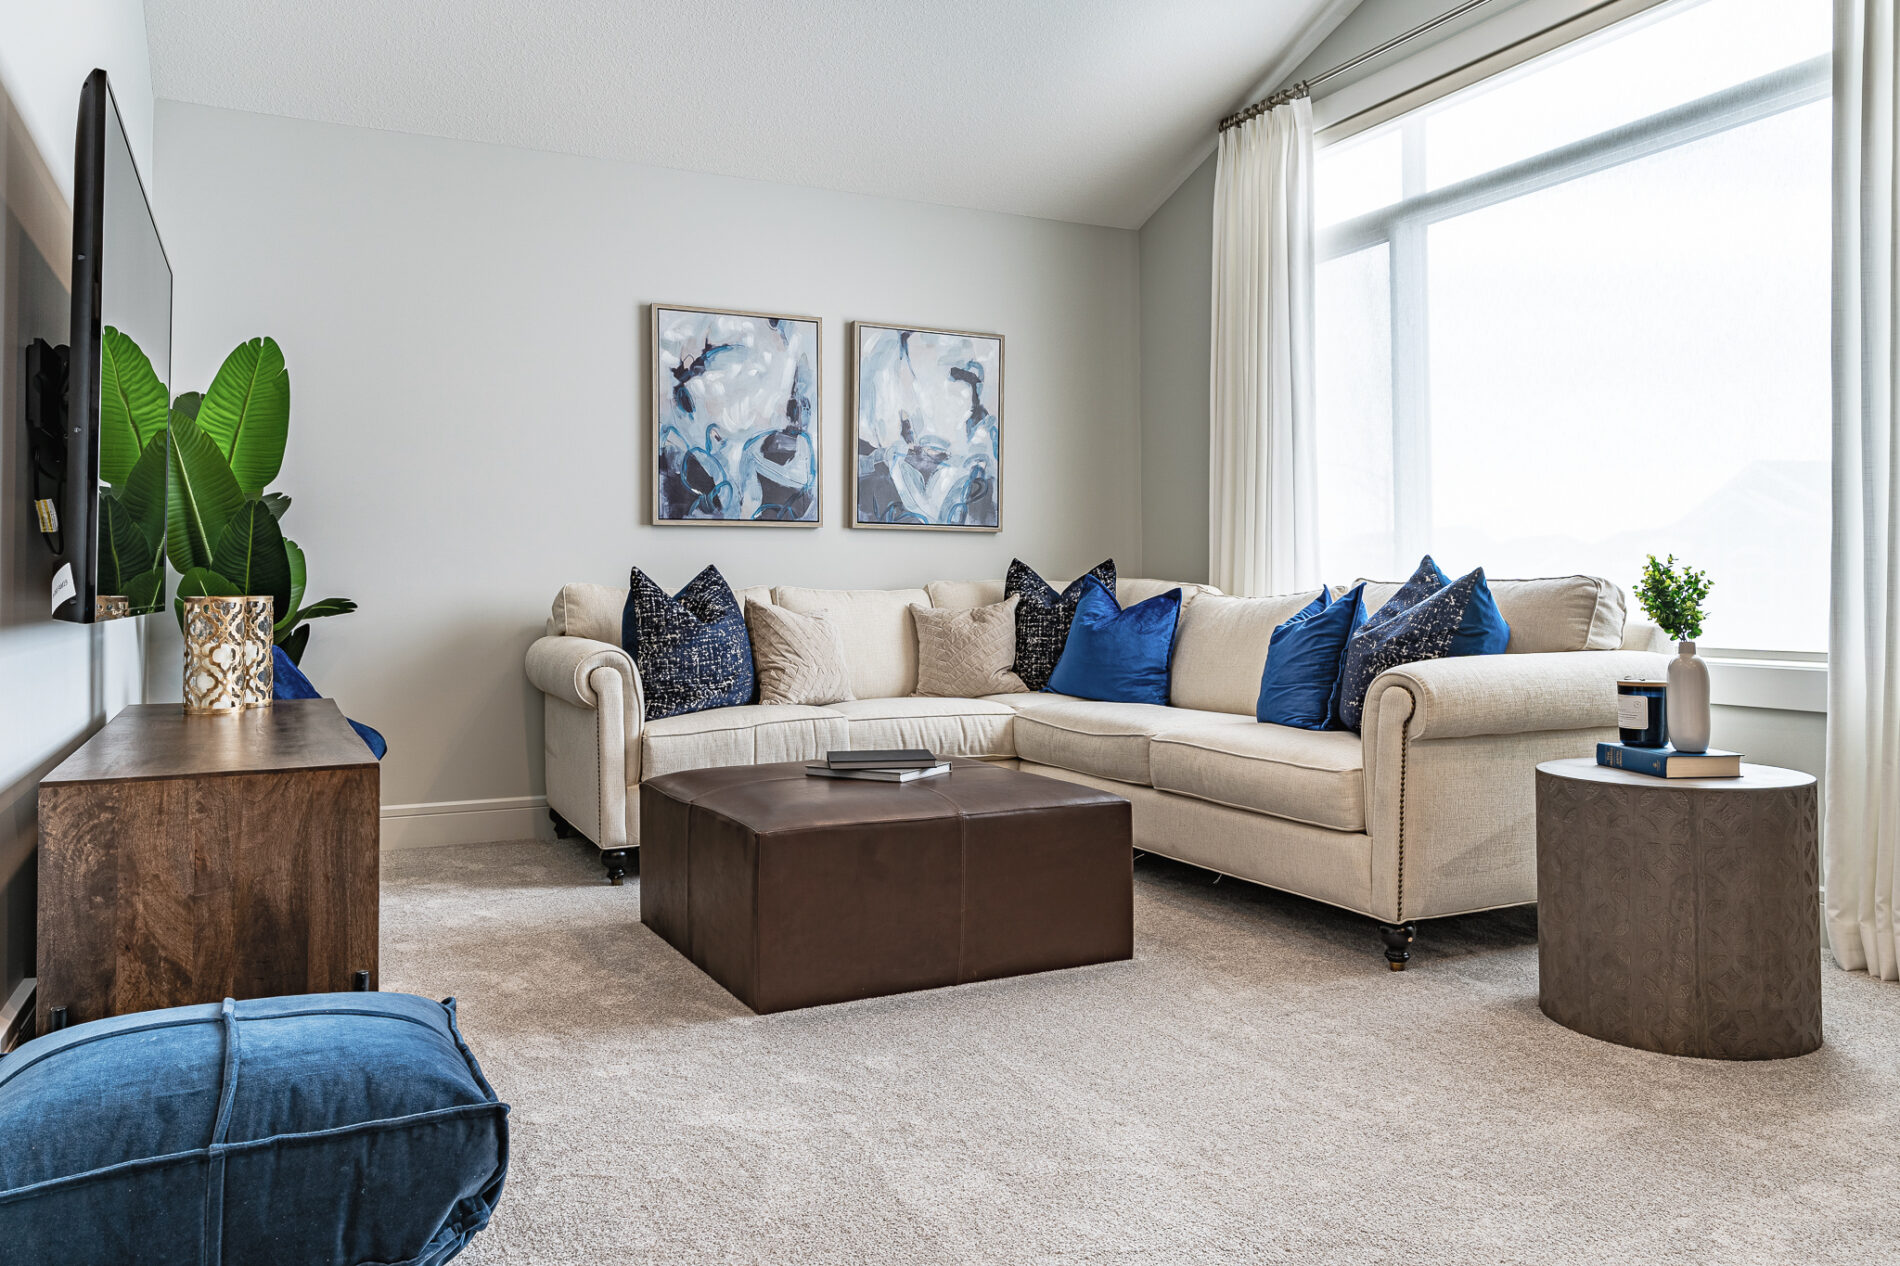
(187, 859)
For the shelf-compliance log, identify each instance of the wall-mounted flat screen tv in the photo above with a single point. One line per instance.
(110, 520)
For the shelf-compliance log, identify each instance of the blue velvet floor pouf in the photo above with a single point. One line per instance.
(342, 1129)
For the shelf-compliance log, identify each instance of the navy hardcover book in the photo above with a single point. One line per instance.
(1667, 762)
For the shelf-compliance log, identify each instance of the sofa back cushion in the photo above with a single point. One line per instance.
(1222, 648)
(1551, 613)
(594, 611)
(880, 642)
(963, 594)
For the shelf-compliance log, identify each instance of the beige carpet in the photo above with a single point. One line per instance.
(1255, 1086)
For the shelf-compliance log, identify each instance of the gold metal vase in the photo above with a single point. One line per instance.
(227, 654)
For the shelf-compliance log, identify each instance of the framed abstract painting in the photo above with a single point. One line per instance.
(736, 415)
(927, 409)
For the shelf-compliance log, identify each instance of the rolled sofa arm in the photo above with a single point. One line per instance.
(562, 667)
(1511, 694)
(594, 710)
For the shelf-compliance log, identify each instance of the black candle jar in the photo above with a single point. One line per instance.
(1640, 718)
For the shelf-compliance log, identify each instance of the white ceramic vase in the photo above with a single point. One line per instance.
(1688, 709)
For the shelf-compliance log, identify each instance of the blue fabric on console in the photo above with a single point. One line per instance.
(301, 1131)
(289, 682)
(1452, 621)
(692, 648)
(1116, 655)
(1300, 683)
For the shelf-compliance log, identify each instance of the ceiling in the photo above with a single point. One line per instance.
(1084, 110)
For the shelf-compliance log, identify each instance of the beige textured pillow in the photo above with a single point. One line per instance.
(966, 653)
(798, 656)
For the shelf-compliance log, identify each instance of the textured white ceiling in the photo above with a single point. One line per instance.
(1084, 110)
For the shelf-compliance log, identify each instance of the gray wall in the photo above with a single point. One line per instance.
(1176, 263)
(466, 331)
(58, 682)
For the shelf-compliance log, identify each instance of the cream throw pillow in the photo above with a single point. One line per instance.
(967, 653)
(798, 656)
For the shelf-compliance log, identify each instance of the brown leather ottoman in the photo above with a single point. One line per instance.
(793, 891)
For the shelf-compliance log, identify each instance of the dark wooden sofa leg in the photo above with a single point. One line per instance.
(563, 830)
(1398, 939)
(615, 860)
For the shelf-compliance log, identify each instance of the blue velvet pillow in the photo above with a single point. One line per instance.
(1453, 621)
(1043, 616)
(1301, 679)
(692, 648)
(322, 1128)
(1116, 655)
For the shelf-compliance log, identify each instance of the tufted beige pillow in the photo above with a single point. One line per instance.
(798, 655)
(966, 653)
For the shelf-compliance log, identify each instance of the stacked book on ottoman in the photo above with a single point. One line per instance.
(895, 765)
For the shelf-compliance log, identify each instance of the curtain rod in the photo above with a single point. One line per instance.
(1305, 86)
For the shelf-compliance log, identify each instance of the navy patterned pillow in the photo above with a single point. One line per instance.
(1428, 629)
(1043, 617)
(691, 648)
(1425, 582)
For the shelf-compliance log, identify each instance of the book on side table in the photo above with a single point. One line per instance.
(1667, 762)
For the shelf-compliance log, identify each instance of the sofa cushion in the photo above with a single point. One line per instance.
(1300, 685)
(1434, 628)
(880, 643)
(948, 727)
(1554, 613)
(757, 734)
(1222, 647)
(594, 611)
(1128, 589)
(1108, 740)
(1132, 589)
(1315, 776)
(956, 595)
(1115, 653)
(1043, 616)
(691, 648)
(799, 656)
(339, 1127)
(966, 652)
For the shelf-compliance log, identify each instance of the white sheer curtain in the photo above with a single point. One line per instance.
(1863, 718)
(1261, 476)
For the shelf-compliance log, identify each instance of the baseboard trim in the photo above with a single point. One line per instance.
(440, 823)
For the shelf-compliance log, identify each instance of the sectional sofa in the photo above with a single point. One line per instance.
(1429, 812)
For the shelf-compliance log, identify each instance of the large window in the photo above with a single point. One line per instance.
(1578, 313)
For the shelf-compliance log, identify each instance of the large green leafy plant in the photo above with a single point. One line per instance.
(132, 450)
(223, 529)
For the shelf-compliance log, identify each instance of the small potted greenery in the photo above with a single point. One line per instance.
(1673, 596)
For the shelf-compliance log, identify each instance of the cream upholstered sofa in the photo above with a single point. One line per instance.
(1430, 813)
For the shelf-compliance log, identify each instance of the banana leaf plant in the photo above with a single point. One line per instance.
(223, 532)
(132, 458)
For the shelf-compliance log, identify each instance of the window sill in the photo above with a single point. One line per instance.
(1786, 685)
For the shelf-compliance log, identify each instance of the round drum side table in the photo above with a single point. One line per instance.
(1680, 915)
